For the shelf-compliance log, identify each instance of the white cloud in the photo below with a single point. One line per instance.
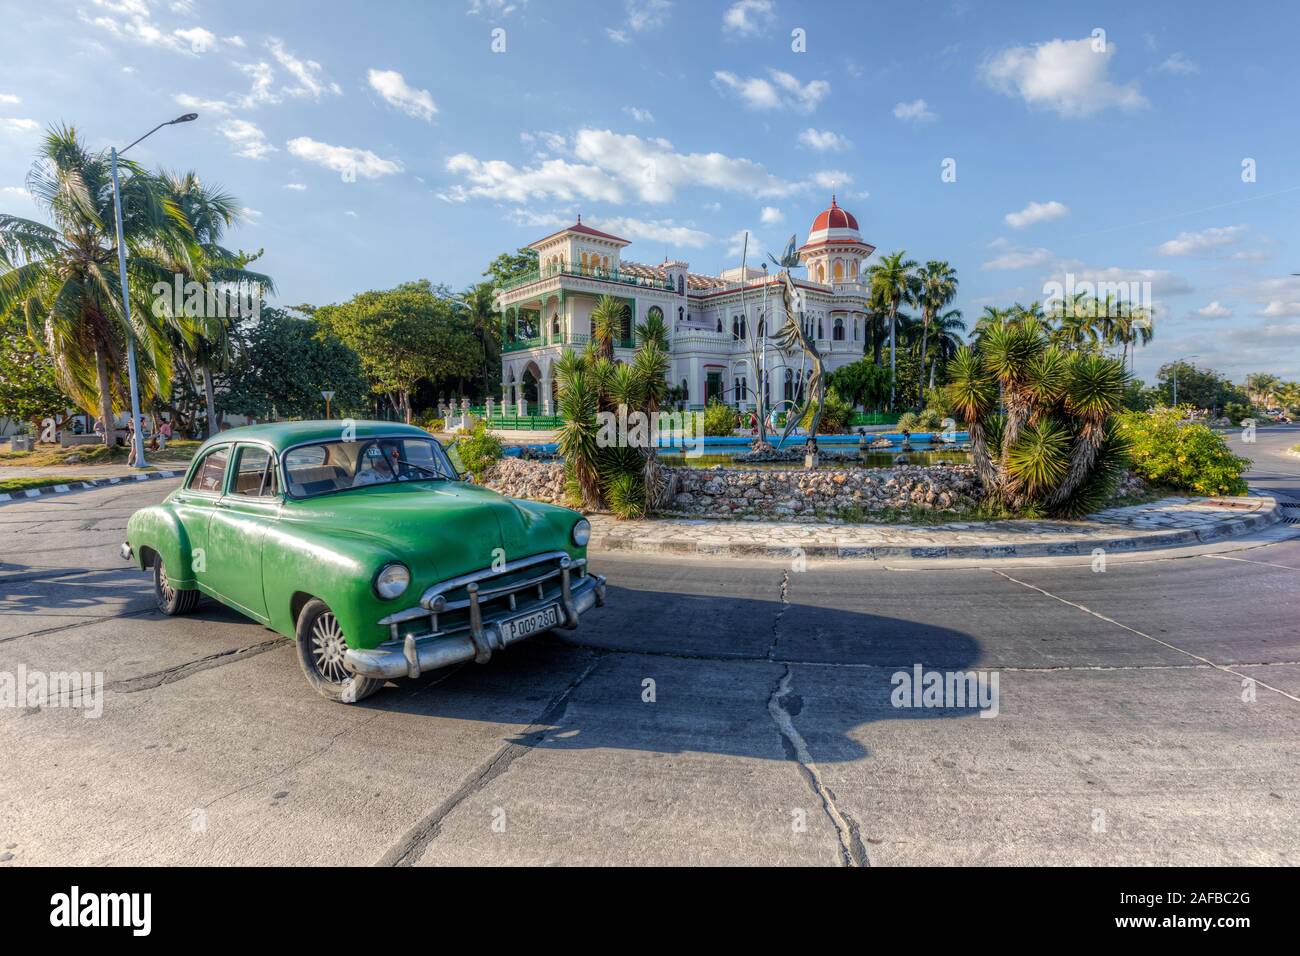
(392, 86)
(618, 36)
(10, 194)
(251, 216)
(1188, 243)
(306, 72)
(249, 141)
(494, 8)
(823, 140)
(343, 159)
(602, 165)
(296, 187)
(782, 92)
(638, 114)
(1019, 259)
(235, 40)
(770, 216)
(199, 39)
(748, 18)
(262, 76)
(200, 105)
(917, 111)
(18, 125)
(1036, 212)
(832, 179)
(1215, 311)
(1067, 76)
(1179, 64)
(544, 142)
(736, 246)
(647, 14)
(652, 230)
(10, 99)
(1279, 308)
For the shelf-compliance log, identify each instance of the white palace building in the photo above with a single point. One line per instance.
(710, 319)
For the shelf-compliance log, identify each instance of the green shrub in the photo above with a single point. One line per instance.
(480, 450)
(430, 422)
(626, 496)
(1167, 450)
(1236, 411)
(719, 419)
(836, 416)
(929, 420)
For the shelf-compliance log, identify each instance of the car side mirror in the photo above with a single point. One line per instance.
(453, 455)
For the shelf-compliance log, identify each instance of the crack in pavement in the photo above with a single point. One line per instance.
(776, 622)
(169, 675)
(1134, 630)
(407, 850)
(151, 609)
(853, 851)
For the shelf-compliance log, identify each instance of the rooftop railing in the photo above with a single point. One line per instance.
(605, 275)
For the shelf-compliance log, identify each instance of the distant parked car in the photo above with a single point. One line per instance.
(364, 547)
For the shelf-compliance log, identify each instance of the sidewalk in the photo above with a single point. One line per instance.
(1169, 522)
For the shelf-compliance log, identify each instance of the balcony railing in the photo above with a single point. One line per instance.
(575, 338)
(605, 275)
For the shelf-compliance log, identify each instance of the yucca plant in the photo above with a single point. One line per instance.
(625, 477)
(1054, 446)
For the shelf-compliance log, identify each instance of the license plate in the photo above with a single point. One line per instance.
(517, 628)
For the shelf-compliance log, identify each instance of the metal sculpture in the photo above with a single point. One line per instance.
(791, 337)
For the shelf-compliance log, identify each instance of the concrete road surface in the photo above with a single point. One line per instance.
(713, 712)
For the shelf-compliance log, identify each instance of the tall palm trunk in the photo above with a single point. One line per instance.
(210, 397)
(105, 398)
(925, 335)
(893, 313)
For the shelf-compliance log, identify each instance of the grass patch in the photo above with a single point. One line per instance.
(178, 451)
(1296, 448)
(11, 486)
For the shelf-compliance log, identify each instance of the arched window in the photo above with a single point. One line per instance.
(821, 272)
(681, 285)
(789, 385)
(839, 270)
(735, 326)
(719, 323)
(839, 330)
(604, 263)
(681, 313)
(820, 334)
(744, 327)
(584, 262)
(853, 268)
(762, 326)
(555, 324)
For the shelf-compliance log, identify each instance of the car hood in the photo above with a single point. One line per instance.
(449, 526)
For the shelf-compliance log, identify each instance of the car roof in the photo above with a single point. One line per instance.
(282, 435)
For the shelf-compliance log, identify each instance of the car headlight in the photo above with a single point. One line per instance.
(582, 532)
(392, 580)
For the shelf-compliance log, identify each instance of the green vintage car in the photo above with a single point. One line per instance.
(361, 541)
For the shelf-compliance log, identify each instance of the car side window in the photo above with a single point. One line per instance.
(255, 475)
(210, 472)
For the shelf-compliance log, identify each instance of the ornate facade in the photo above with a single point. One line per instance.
(711, 320)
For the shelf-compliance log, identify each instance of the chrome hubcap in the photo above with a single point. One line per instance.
(164, 587)
(328, 648)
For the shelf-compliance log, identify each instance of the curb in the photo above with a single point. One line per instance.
(1128, 543)
(82, 485)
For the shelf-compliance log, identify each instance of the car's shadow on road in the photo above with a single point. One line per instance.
(671, 673)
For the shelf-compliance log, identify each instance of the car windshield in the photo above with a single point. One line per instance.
(331, 466)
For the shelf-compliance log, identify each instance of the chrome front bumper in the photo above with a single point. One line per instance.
(414, 654)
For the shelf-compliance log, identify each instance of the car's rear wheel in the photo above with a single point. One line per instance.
(171, 600)
(321, 648)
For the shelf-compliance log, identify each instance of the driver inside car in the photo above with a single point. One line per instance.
(377, 465)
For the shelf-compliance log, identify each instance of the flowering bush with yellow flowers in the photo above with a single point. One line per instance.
(1168, 450)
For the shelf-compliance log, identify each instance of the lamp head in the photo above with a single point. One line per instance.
(187, 118)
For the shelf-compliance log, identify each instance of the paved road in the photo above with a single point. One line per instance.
(1121, 735)
(1274, 471)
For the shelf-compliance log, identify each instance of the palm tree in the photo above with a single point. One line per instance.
(1260, 386)
(607, 324)
(1057, 447)
(205, 340)
(946, 339)
(991, 318)
(893, 282)
(64, 279)
(938, 287)
(486, 325)
(1130, 326)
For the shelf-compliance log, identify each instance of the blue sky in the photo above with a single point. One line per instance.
(377, 143)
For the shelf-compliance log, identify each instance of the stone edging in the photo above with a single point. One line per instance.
(1172, 538)
(63, 489)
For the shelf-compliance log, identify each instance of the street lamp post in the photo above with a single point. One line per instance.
(133, 380)
(327, 394)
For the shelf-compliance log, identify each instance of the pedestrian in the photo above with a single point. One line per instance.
(164, 433)
(130, 442)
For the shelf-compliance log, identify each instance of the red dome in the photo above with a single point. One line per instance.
(834, 218)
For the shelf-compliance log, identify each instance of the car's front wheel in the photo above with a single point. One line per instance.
(321, 649)
(171, 600)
